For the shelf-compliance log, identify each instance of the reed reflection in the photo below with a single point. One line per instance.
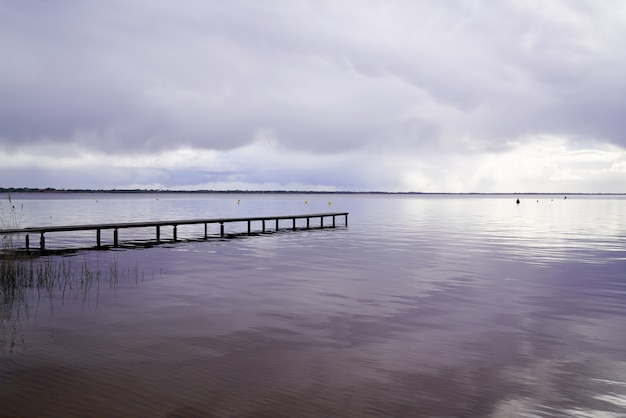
(28, 281)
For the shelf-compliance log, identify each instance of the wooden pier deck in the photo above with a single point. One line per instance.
(41, 231)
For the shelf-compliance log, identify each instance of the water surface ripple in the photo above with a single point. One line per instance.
(439, 306)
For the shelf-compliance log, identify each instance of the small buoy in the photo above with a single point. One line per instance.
(517, 201)
(238, 201)
(306, 202)
(565, 197)
(329, 203)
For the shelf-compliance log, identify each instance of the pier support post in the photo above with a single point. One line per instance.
(308, 222)
(42, 242)
(263, 225)
(294, 224)
(321, 222)
(346, 219)
(277, 224)
(174, 232)
(333, 221)
(115, 237)
(205, 231)
(27, 242)
(98, 238)
(222, 229)
(248, 227)
(158, 234)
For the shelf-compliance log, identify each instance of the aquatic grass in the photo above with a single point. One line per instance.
(26, 281)
(58, 276)
(26, 278)
(10, 218)
(23, 270)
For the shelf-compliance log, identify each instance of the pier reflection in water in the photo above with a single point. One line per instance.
(424, 306)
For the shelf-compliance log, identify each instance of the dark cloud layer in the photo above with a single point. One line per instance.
(316, 76)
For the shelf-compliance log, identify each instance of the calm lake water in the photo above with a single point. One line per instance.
(423, 306)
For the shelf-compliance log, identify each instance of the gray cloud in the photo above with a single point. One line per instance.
(323, 77)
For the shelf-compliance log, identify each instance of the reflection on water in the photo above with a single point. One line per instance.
(32, 286)
(424, 306)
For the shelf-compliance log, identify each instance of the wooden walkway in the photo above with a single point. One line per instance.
(41, 231)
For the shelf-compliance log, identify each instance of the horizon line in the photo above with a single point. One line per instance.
(136, 190)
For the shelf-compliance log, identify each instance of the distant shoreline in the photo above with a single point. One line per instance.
(207, 191)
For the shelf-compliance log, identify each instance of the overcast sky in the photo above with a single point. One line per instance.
(415, 95)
